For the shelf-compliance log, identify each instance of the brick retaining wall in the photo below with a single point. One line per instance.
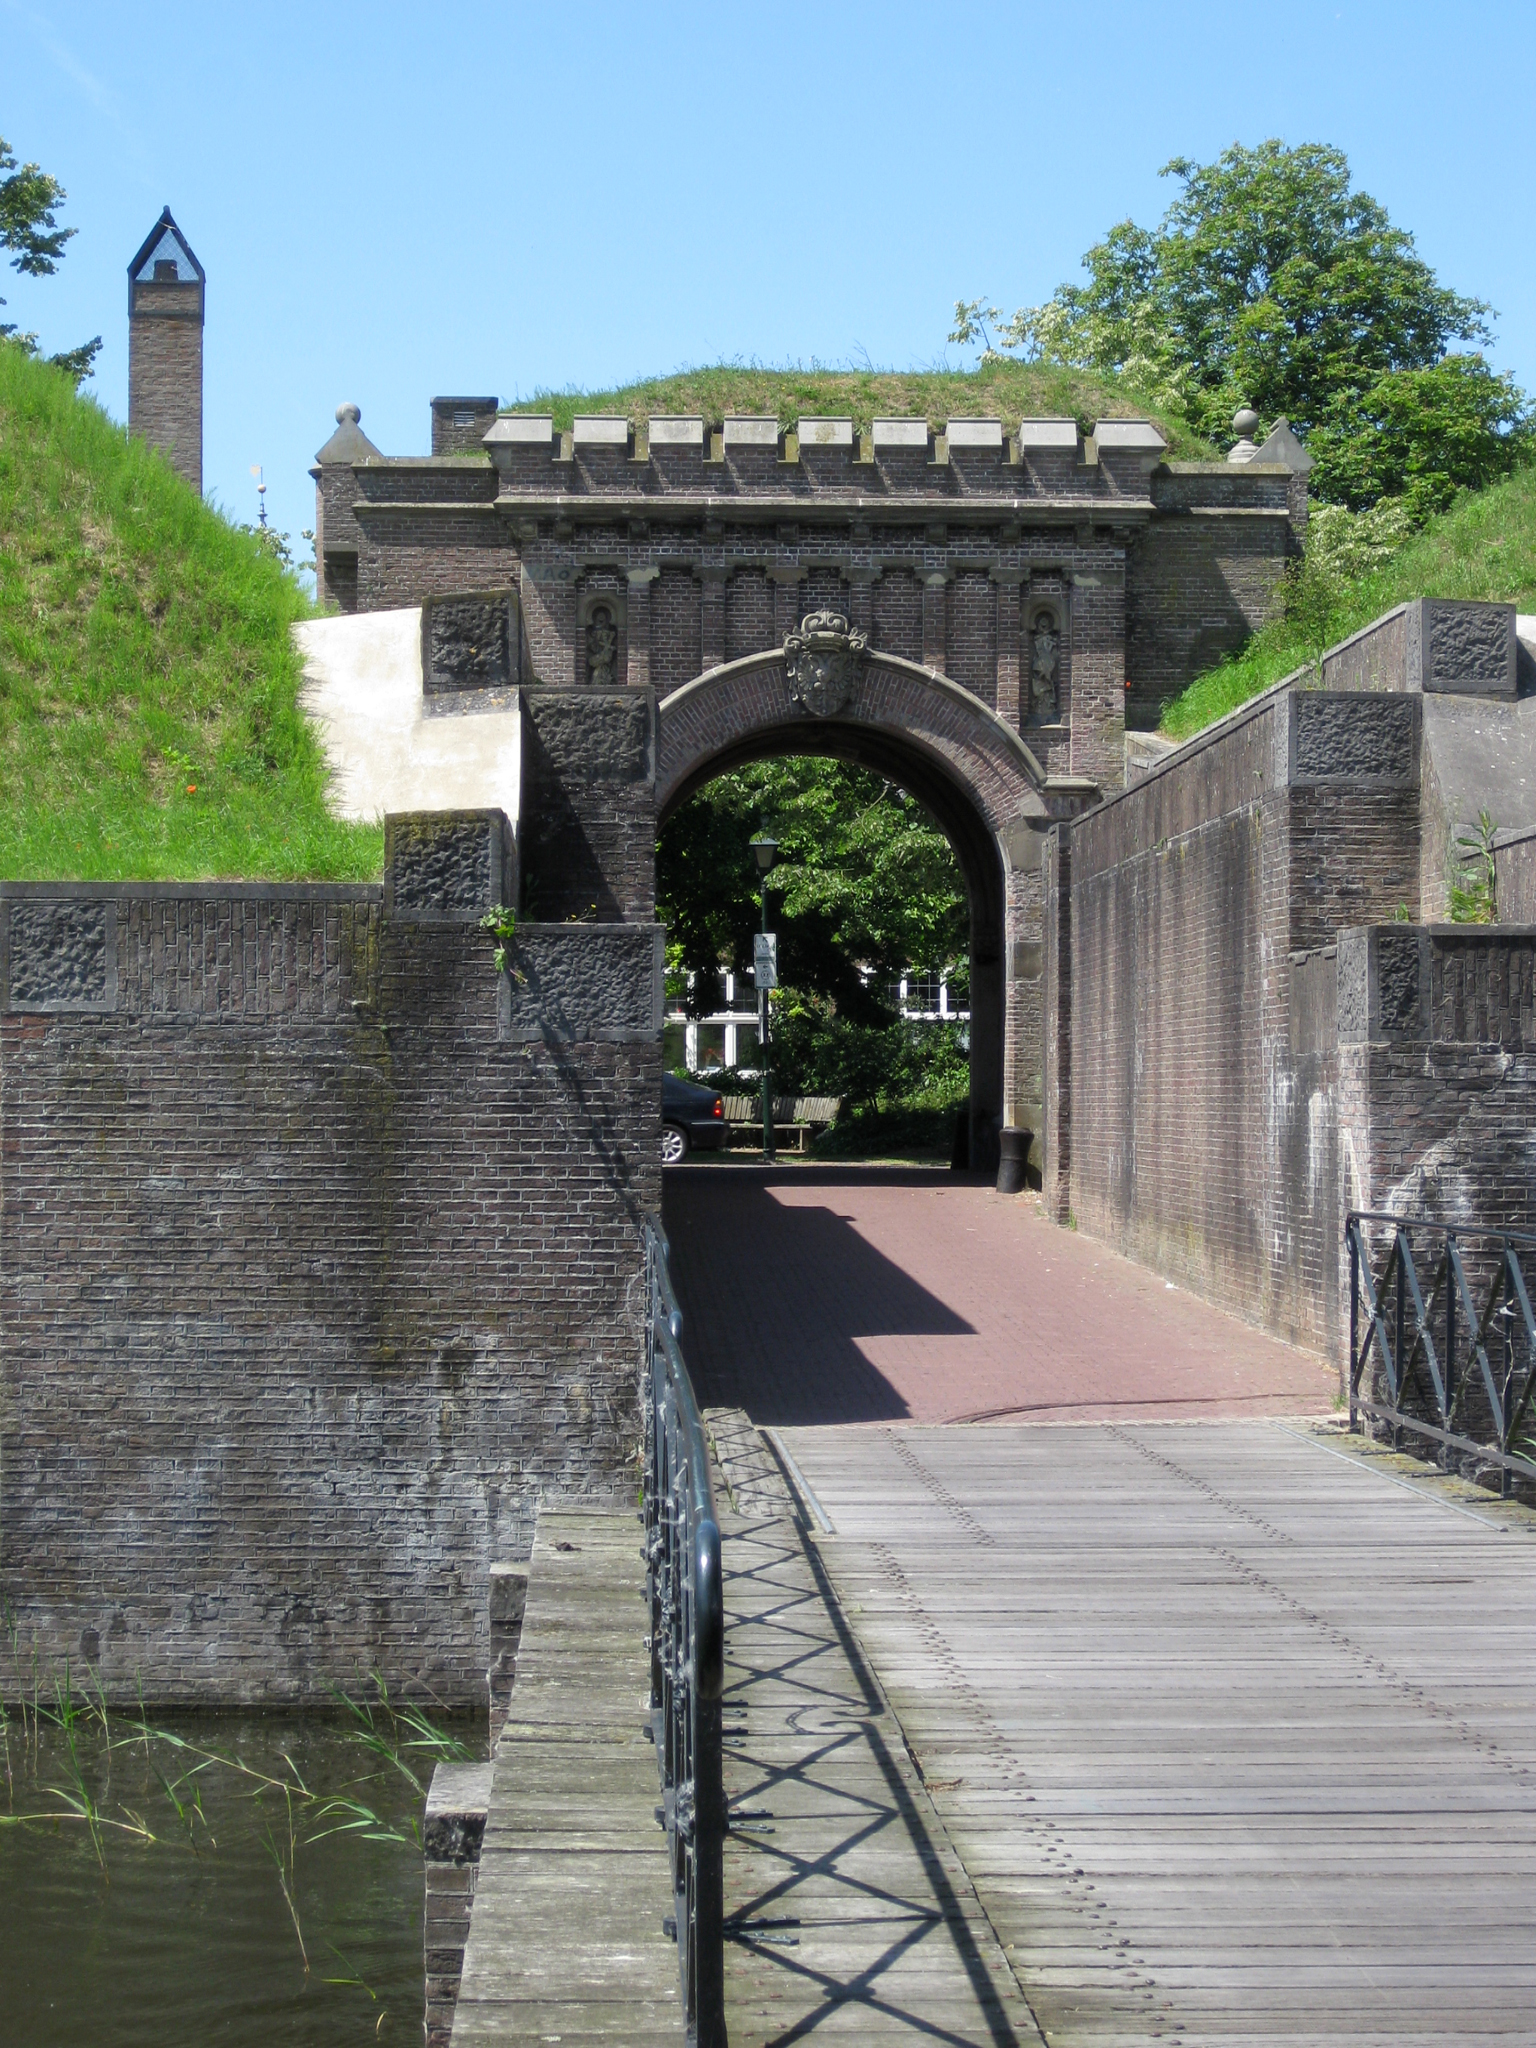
(319, 1265)
(1202, 1126)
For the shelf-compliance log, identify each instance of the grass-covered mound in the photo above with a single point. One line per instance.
(149, 720)
(1007, 391)
(1483, 547)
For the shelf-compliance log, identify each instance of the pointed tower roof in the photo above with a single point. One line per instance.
(165, 243)
(1284, 448)
(349, 443)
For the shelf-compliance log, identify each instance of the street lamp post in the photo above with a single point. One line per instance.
(765, 851)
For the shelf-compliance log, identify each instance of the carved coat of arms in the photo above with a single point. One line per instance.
(822, 662)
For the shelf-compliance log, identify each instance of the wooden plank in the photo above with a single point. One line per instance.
(1233, 1739)
(565, 1938)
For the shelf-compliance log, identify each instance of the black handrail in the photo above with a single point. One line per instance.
(687, 1644)
(1478, 1364)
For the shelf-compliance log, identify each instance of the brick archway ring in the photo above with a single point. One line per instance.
(726, 712)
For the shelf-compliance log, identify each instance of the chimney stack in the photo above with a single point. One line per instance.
(460, 425)
(165, 348)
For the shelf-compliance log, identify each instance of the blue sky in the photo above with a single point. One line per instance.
(394, 201)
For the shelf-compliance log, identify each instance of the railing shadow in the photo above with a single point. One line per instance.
(826, 1853)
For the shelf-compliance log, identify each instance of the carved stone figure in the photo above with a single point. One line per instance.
(602, 648)
(1044, 659)
(822, 662)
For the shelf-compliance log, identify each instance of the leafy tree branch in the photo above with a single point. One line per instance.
(29, 231)
(1270, 281)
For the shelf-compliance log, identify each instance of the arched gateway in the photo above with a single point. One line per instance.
(827, 693)
(976, 612)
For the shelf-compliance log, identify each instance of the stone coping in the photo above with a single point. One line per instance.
(197, 892)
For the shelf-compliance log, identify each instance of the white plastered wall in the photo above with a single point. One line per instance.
(362, 687)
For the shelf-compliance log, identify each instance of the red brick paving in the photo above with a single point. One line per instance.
(869, 1294)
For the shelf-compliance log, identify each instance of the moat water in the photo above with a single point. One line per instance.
(229, 1879)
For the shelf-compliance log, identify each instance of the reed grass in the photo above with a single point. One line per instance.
(60, 1737)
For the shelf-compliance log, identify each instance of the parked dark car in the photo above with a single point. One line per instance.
(692, 1119)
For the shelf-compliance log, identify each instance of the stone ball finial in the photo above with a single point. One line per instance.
(346, 413)
(1246, 421)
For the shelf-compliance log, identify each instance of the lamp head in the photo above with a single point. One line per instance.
(765, 851)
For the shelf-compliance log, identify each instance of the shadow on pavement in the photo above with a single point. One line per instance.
(775, 1297)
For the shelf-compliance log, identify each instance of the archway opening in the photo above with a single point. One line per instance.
(889, 908)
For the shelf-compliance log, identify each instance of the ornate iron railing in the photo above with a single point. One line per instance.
(1435, 1362)
(687, 1644)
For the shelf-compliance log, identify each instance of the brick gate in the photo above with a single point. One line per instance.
(1008, 595)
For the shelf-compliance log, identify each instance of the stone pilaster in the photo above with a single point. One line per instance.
(1009, 583)
(637, 671)
(711, 617)
(861, 598)
(786, 599)
(1095, 702)
(935, 616)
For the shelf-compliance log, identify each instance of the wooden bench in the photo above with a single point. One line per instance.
(793, 1115)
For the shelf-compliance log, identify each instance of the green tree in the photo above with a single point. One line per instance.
(1270, 282)
(864, 879)
(866, 886)
(1420, 436)
(29, 230)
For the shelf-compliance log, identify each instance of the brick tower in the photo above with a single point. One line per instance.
(165, 348)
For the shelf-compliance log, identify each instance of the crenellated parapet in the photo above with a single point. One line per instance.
(968, 467)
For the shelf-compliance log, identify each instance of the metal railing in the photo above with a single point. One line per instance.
(1445, 1368)
(687, 1645)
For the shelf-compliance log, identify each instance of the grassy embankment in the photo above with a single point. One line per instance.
(1483, 547)
(149, 720)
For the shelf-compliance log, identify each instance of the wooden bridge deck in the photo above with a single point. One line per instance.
(851, 1917)
(1234, 1738)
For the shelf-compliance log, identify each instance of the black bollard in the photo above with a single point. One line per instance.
(1015, 1156)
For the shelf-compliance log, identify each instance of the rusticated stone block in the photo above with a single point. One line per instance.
(469, 642)
(1381, 983)
(446, 867)
(1354, 987)
(589, 739)
(583, 982)
(1465, 649)
(61, 954)
(1353, 737)
(586, 826)
(1397, 1005)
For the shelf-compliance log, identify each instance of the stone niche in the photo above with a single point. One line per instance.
(471, 641)
(602, 632)
(1044, 693)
